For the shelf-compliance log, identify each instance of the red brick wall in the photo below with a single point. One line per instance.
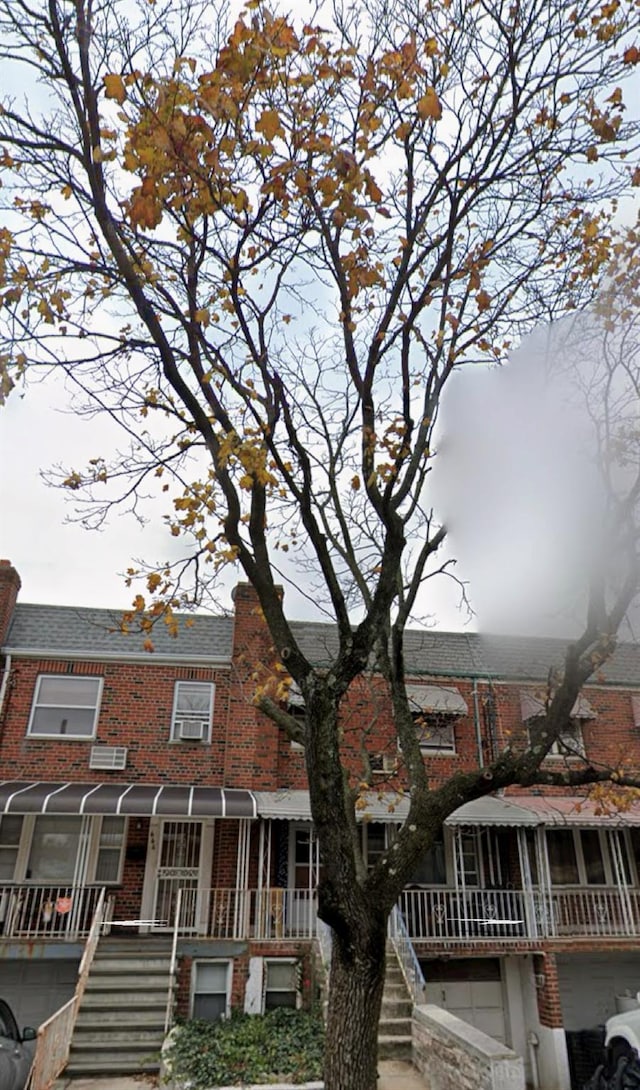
(548, 990)
(9, 589)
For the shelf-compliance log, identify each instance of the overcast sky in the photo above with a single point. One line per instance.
(509, 479)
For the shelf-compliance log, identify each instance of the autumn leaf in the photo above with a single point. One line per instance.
(631, 55)
(483, 299)
(429, 106)
(269, 124)
(114, 87)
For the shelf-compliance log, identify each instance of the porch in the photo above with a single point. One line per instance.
(437, 915)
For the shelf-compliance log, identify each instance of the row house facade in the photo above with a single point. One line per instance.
(154, 778)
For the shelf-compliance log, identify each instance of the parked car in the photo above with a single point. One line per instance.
(15, 1057)
(620, 1069)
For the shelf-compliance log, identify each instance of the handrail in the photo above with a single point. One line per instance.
(168, 1018)
(406, 955)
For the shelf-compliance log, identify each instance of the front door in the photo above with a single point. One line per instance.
(180, 858)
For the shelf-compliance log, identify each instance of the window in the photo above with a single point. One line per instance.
(432, 870)
(192, 711)
(587, 857)
(374, 841)
(65, 707)
(563, 860)
(436, 732)
(60, 849)
(570, 742)
(10, 831)
(281, 983)
(211, 982)
(296, 709)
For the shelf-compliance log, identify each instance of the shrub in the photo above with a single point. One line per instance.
(281, 1046)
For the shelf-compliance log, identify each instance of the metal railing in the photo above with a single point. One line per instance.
(454, 915)
(406, 955)
(240, 914)
(168, 1018)
(47, 912)
(55, 1035)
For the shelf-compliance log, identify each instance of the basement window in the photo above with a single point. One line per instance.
(281, 983)
(211, 990)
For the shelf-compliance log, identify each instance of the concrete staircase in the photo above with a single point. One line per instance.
(120, 1025)
(394, 1030)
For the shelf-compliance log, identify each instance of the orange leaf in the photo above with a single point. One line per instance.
(114, 87)
(269, 124)
(631, 55)
(483, 299)
(429, 106)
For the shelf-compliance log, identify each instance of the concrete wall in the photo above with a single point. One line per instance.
(451, 1055)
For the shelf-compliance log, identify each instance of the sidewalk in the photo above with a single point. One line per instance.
(394, 1075)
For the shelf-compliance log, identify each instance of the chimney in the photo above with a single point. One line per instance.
(9, 587)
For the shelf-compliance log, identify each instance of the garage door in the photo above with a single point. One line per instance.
(36, 989)
(472, 990)
(589, 984)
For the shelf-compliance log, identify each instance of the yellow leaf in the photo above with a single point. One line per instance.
(114, 87)
(269, 124)
(429, 106)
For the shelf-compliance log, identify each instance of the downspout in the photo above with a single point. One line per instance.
(5, 680)
(476, 722)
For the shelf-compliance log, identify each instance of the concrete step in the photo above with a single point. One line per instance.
(125, 1064)
(395, 991)
(115, 1001)
(97, 1017)
(392, 1047)
(396, 1008)
(118, 1036)
(125, 982)
(160, 964)
(394, 1027)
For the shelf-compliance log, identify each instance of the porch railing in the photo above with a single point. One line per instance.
(55, 1035)
(257, 913)
(47, 912)
(454, 915)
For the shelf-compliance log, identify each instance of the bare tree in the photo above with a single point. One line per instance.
(263, 251)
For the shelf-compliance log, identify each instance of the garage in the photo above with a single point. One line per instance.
(470, 988)
(589, 984)
(35, 989)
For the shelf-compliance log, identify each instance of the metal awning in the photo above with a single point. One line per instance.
(575, 810)
(542, 810)
(532, 707)
(127, 799)
(436, 698)
(493, 810)
(296, 805)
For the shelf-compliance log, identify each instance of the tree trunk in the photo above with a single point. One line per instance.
(355, 996)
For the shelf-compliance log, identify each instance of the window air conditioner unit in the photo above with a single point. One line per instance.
(191, 730)
(108, 757)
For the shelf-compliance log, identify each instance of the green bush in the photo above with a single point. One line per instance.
(281, 1046)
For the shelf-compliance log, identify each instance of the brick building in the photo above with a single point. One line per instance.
(148, 774)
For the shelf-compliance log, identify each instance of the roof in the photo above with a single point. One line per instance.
(432, 653)
(295, 805)
(543, 810)
(57, 630)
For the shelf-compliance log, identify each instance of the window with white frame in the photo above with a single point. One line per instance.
(60, 849)
(585, 857)
(65, 706)
(568, 744)
(192, 711)
(281, 983)
(436, 732)
(211, 990)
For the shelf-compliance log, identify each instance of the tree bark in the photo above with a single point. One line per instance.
(355, 999)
